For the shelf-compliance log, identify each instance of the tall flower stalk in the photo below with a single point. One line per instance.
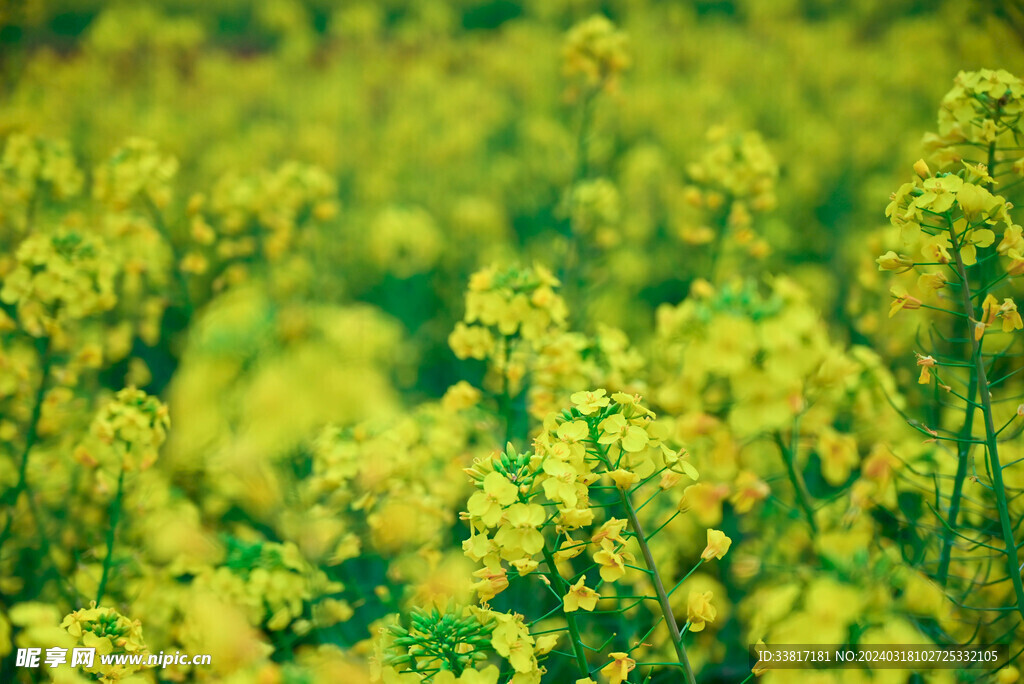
(566, 511)
(948, 222)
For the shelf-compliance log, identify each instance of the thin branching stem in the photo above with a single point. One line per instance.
(31, 436)
(659, 589)
(992, 446)
(115, 517)
(803, 497)
(570, 618)
(963, 449)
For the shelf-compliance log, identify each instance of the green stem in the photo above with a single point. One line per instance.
(569, 274)
(700, 562)
(659, 587)
(570, 618)
(986, 266)
(115, 516)
(161, 228)
(963, 449)
(583, 136)
(803, 497)
(991, 438)
(30, 441)
(31, 208)
(720, 244)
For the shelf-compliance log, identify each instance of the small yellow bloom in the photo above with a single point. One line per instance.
(471, 341)
(519, 532)
(936, 248)
(618, 670)
(574, 518)
(493, 581)
(979, 172)
(749, 489)
(699, 610)
(561, 483)
(1016, 267)
(572, 431)
(589, 402)
(932, 281)
(839, 455)
(1013, 238)
(760, 667)
(460, 396)
(926, 363)
(705, 500)
(570, 548)
(544, 645)
(616, 428)
(624, 479)
(512, 640)
(610, 533)
(718, 545)
(1011, 318)
(580, 596)
(989, 310)
(489, 505)
(613, 564)
(902, 300)
(891, 261)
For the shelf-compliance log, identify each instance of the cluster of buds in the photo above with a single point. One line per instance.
(108, 632)
(451, 641)
(594, 55)
(59, 278)
(29, 162)
(981, 106)
(127, 433)
(732, 181)
(510, 313)
(138, 170)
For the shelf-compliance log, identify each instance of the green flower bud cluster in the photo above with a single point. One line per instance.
(515, 467)
(273, 582)
(447, 641)
(109, 632)
(739, 298)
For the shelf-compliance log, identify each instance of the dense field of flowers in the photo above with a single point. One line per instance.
(509, 341)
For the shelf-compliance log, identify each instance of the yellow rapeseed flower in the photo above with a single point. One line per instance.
(699, 610)
(618, 670)
(580, 596)
(718, 545)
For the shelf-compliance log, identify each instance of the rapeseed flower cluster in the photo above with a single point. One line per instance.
(58, 279)
(109, 632)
